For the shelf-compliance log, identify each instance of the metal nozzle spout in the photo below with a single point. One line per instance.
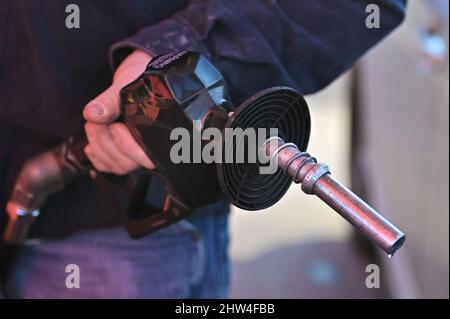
(359, 214)
(316, 179)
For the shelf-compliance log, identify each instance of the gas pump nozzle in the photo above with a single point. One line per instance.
(174, 90)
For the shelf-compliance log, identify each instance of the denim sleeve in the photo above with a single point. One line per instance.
(260, 43)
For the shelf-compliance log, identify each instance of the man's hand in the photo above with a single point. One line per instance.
(111, 147)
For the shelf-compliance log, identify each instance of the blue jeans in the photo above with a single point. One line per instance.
(188, 259)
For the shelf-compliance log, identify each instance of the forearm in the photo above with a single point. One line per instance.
(256, 44)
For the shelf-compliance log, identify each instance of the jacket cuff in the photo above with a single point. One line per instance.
(167, 36)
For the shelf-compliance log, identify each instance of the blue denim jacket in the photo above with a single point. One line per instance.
(48, 72)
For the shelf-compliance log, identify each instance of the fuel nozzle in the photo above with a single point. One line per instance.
(315, 179)
(157, 102)
(248, 188)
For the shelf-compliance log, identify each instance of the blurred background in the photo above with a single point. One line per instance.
(383, 128)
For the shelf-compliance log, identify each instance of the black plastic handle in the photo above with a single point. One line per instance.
(128, 201)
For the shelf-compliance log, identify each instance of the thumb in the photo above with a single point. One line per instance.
(105, 108)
